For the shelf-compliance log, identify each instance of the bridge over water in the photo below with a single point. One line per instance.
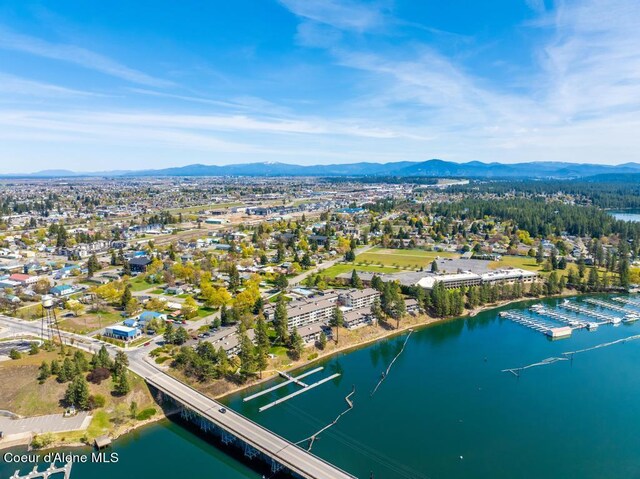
(253, 438)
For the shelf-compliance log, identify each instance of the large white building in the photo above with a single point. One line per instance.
(468, 278)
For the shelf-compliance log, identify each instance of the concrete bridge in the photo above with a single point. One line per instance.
(252, 437)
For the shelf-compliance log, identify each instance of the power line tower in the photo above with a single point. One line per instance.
(49, 324)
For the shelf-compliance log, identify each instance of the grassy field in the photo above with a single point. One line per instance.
(89, 322)
(139, 284)
(522, 262)
(337, 269)
(22, 394)
(402, 258)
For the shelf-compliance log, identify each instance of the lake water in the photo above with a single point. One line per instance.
(444, 411)
(626, 215)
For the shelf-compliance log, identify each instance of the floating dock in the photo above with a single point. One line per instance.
(563, 318)
(629, 317)
(300, 391)
(290, 380)
(548, 329)
(604, 318)
(606, 305)
(631, 302)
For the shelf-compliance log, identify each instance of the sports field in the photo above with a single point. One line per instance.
(402, 258)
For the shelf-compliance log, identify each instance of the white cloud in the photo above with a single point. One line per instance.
(342, 14)
(15, 85)
(77, 55)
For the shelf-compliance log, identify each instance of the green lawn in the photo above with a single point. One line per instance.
(140, 284)
(204, 312)
(522, 262)
(340, 268)
(403, 258)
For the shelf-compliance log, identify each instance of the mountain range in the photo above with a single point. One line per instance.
(429, 168)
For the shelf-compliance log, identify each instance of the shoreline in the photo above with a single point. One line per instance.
(428, 321)
(386, 334)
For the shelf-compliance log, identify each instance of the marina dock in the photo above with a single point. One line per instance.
(604, 318)
(574, 323)
(547, 328)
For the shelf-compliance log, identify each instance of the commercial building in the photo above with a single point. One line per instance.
(123, 333)
(467, 278)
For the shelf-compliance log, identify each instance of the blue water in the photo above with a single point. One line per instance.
(444, 411)
(626, 215)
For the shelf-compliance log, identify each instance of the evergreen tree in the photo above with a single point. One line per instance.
(122, 386)
(297, 344)
(356, 282)
(44, 371)
(181, 336)
(126, 297)
(337, 321)
(434, 266)
(169, 334)
(92, 265)
(77, 393)
(280, 320)
(322, 342)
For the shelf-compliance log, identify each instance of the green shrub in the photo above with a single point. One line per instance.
(41, 441)
(146, 414)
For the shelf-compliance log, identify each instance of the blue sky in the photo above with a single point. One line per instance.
(94, 86)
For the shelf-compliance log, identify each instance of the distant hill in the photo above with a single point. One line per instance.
(430, 168)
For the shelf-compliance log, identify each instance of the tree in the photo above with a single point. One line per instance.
(623, 272)
(281, 282)
(322, 342)
(262, 344)
(434, 266)
(92, 265)
(75, 307)
(132, 307)
(122, 386)
(337, 321)
(77, 393)
(181, 336)
(169, 332)
(120, 364)
(189, 308)
(540, 253)
(246, 354)
(126, 268)
(44, 371)
(33, 349)
(356, 282)
(126, 296)
(280, 320)
(101, 359)
(234, 278)
(296, 344)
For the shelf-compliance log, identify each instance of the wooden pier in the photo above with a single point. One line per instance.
(50, 471)
(289, 381)
(300, 391)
